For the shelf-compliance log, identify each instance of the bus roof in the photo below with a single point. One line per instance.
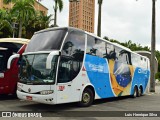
(116, 44)
(146, 52)
(59, 28)
(15, 40)
(77, 29)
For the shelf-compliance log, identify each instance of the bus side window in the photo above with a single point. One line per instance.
(64, 70)
(109, 51)
(72, 56)
(123, 56)
(95, 46)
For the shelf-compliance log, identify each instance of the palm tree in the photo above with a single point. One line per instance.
(37, 22)
(8, 1)
(5, 23)
(58, 4)
(44, 20)
(24, 10)
(99, 17)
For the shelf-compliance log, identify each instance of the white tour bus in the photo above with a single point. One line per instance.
(62, 65)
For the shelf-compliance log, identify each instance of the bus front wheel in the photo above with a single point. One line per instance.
(87, 98)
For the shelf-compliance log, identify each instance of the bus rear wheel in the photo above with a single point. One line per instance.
(135, 93)
(87, 98)
(141, 91)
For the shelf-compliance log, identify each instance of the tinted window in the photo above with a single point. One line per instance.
(123, 56)
(2, 57)
(64, 74)
(72, 56)
(46, 41)
(95, 46)
(11, 48)
(138, 61)
(14, 47)
(74, 45)
(110, 51)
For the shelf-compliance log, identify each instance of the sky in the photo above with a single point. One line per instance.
(122, 20)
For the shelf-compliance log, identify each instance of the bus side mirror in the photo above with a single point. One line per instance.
(50, 57)
(10, 60)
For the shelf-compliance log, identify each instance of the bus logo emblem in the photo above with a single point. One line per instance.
(29, 90)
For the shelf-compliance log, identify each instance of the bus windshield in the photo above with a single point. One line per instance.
(6, 50)
(46, 41)
(2, 60)
(33, 69)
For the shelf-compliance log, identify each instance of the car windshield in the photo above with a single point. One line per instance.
(33, 69)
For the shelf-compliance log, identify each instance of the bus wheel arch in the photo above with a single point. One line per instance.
(87, 97)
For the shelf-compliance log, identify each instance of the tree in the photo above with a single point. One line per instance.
(99, 18)
(58, 4)
(23, 9)
(37, 22)
(5, 24)
(8, 1)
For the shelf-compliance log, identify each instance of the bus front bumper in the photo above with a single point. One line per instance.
(46, 99)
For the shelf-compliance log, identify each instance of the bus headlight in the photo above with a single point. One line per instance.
(46, 92)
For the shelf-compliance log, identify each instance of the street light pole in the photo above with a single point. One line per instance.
(14, 28)
(153, 43)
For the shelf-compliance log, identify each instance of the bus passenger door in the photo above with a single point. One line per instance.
(64, 86)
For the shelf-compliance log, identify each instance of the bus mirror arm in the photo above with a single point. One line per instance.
(10, 60)
(50, 57)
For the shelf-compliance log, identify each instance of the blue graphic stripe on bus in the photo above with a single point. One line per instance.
(140, 77)
(98, 73)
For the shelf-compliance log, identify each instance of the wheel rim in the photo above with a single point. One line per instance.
(86, 98)
(135, 93)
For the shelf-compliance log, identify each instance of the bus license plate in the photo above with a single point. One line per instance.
(29, 98)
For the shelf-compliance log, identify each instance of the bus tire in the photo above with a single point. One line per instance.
(135, 93)
(87, 98)
(141, 91)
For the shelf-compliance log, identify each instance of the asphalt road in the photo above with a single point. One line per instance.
(148, 102)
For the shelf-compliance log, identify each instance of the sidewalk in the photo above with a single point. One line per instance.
(157, 89)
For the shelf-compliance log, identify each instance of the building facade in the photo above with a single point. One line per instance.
(82, 14)
(38, 7)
